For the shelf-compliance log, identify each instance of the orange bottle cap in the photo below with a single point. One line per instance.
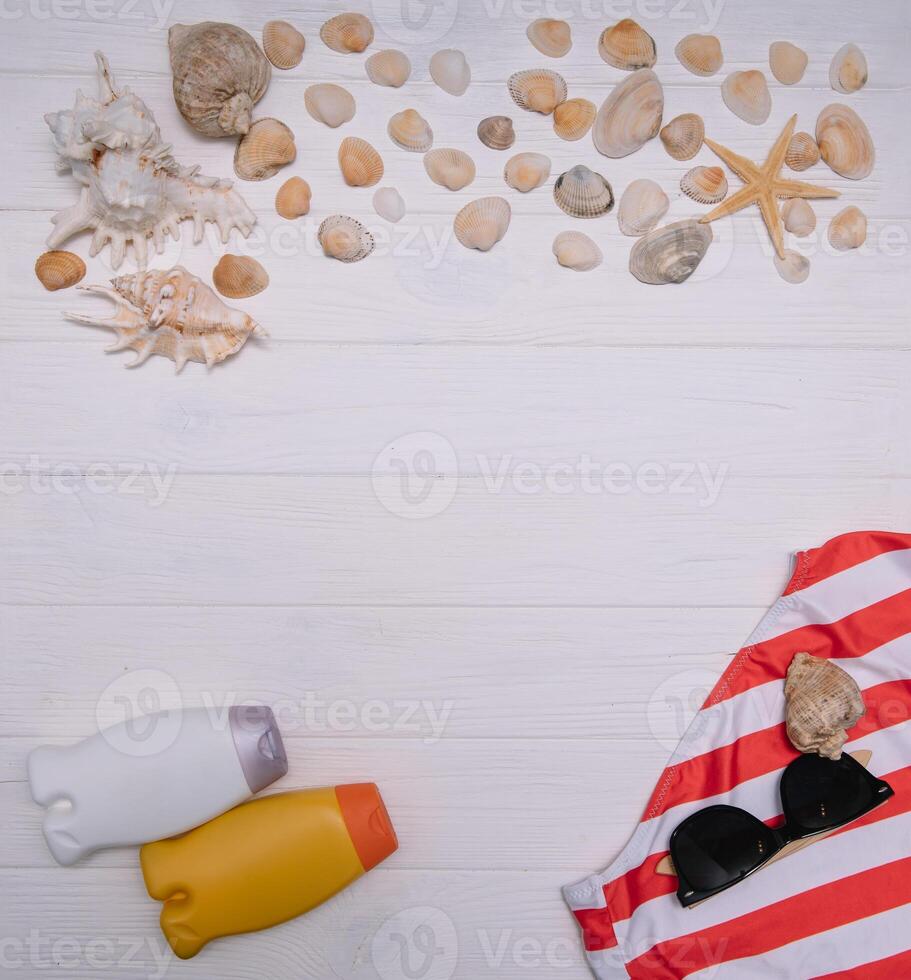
(368, 822)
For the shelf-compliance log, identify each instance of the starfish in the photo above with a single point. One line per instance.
(764, 185)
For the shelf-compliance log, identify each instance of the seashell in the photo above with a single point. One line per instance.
(537, 90)
(344, 239)
(452, 169)
(802, 152)
(360, 164)
(798, 217)
(577, 251)
(267, 148)
(670, 254)
(239, 276)
(283, 43)
(329, 104)
(582, 193)
(705, 185)
(747, 95)
(526, 171)
(450, 70)
(626, 45)
(683, 136)
(219, 75)
(551, 37)
(642, 205)
(792, 266)
(844, 142)
(133, 190)
(59, 270)
(700, 54)
(174, 314)
(389, 67)
(787, 61)
(388, 204)
(496, 132)
(482, 223)
(293, 198)
(848, 70)
(347, 33)
(822, 703)
(848, 229)
(573, 118)
(411, 131)
(630, 116)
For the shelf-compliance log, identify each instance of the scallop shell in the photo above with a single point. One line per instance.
(496, 132)
(705, 185)
(787, 61)
(329, 104)
(452, 169)
(626, 45)
(582, 193)
(347, 33)
(802, 152)
(537, 90)
(482, 223)
(293, 198)
(848, 70)
(360, 163)
(389, 67)
(670, 254)
(683, 136)
(746, 94)
(551, 37)
(822, 703)
(792, 267)
(450, 70)
(283, 43)
(239, 276)
(630, 116)
(844, 142)
(573, 118)
(344, 239)
(59, 270)
(848, 229)
(577, 251)
(389, 204)
(642, 205)
(526, 171)
(700, 54)
(267, 148)
(411, 131)
(219, 74)
(798, 217)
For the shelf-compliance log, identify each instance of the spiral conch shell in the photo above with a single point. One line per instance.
(452, 169)
(551, 37)
(573, 118)
(482, 223)
(342, 237)
(293, 198)
(283, 43)
(526, 171)
(626, 45)
(787, 61)
(670, 254)
(411, 131)
(746, 94)
(360, 163)
(174, 314)
(347, 33)
(844, 142)
(642, 205)
(823, 701)
(802, 152)
(329, 104)
(848, 229)
(537, 90)
(574, 250)
(700, 54)
(683, 136)
(59, 270)
(239, 276)
(630, 116)
(388, 67)
(450, 70)
(219, 75)
(848, 70)
(583, 193)
(267, 148)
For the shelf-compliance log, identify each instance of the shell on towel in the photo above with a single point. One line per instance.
(823, 702)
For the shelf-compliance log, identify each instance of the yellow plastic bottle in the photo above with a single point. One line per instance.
(265, 862)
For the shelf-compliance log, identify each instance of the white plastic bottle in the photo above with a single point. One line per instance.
(152, 778)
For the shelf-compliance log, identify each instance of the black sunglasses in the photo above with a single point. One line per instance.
(721, 845)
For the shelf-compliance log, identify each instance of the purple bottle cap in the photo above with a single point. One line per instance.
(259, 744)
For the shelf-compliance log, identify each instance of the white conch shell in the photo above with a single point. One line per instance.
(642, 205)
(683, 136)
(848, 229)
(133, 189)
(452, 169)
(823, 701)
(573, 118)
(389, 204)
(798, 217)
(746, 94)
(787, 61)
(388, 67)
(450, 70)
(583, 193)
(526, 171)
(705, 185)
(802, 152)
(329, 104)
(628, 46)
(630, 116)
(342, 237)
(411, 131)
(848, 70)
(482, 223)
(219, 75)
(59, 270)
(283, 43)
(550, 36)
(670, 254)
(347, 33)
(172, 313)
(496, 132)
(845, 142)
(574, 250)
(792, 266)
(537, 90)
(700, 54)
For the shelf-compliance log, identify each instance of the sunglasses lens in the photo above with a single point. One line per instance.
(820, 793)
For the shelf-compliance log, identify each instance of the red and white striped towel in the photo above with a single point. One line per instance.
(840, 908)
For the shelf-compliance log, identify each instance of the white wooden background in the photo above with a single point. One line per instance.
(560, 636)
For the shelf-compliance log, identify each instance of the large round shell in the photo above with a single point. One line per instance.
(683, 136)
(792, 266)
(848, 229)
(411, 131)
(574, 250)
(342, 237)
(497, 132)
(283, 43)
(452, 169)
(746, 94)
(537, 90)
(630, 116)
(482, 223)
(802, 152)
(389, 67)
(219, 74)
(583, 193)
(267, 147)
(670, 254)
(573, 118)
(700, 54)
(239, 276)
(844, 142)
(798, 217)
(705, 185)
(293, 198)
(59, 270)
(347, 33)
(787, 61)
(526, 171)
(822, 703)
(551, 37)
(848, 70)
(329, 104)
(628, 46)
(450, 70)
(642, 205)
(359, 162)
(389, 204)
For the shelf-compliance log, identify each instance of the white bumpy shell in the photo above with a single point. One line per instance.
(823, 701)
